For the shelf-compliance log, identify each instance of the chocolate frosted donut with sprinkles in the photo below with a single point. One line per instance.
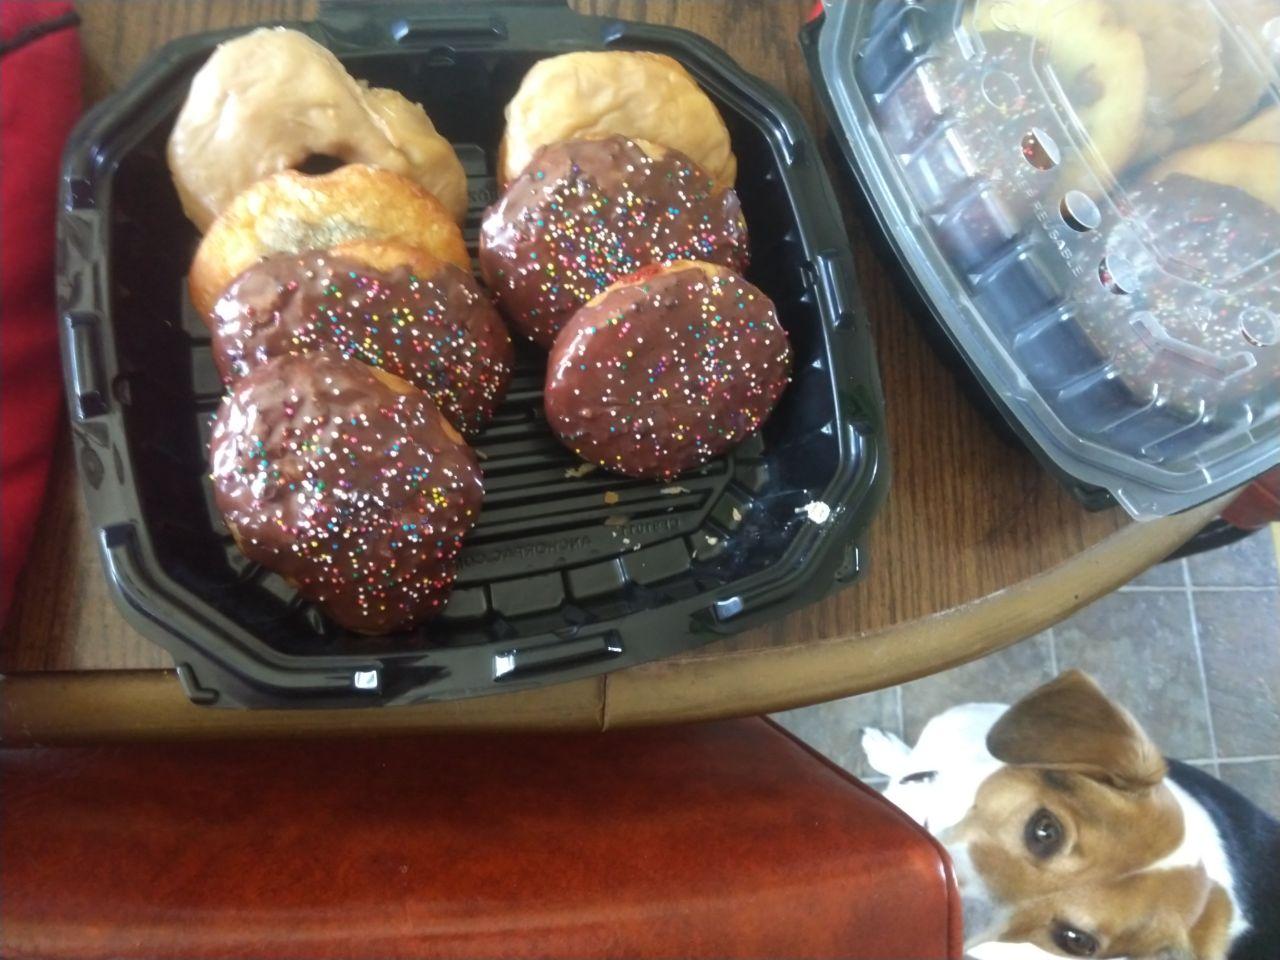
(587, 212)
(1193, 322)
(388, 305)
(666, 370)
(348, 483)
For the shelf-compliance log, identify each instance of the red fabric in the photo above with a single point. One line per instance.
(39, 101)
(725, 839)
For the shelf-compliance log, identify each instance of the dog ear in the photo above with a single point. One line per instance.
(1070, 724)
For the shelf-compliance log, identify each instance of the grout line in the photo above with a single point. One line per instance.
(1127, 588)
(1275, 538)
(902, 723)
(1053, 651)
(1204, 676)
(1250, 759)
(1265, 757)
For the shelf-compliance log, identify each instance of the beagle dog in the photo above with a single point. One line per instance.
(1071, 834)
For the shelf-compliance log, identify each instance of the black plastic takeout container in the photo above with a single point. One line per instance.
(568, 573)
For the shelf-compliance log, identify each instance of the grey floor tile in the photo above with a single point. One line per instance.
(1259, 780)
(1140, 648)
(1208, 766)
(1000, 678)
(1240, 637)
(835, 729)
(1249, 563)
(1161, 575)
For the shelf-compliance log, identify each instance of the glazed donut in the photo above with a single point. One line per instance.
(348, 483)
(666, 369)
(647, 96)
(1242, 84)
(1253, 167)
(1182, 47)
(1264, 128)
(1174, 338)
(388, 305)
(586, 212)
(1099, 62)
(289, 212)
(270, 99)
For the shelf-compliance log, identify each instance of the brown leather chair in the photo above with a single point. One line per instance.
(721, 840)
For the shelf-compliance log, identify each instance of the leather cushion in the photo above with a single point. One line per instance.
(724, 839)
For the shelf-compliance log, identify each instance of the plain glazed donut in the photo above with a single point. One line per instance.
(666, 369)
(268, 100)
(1253, 167)
(587, 212)
(290, 212)
(347, 482)
(645, 96)
(1264, 128)
(387, 305)
(1182, 46)
(1097, 59)
(1242, 85)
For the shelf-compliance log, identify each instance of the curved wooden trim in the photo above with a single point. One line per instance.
(709, 685)
(53, 708)
(149, 704)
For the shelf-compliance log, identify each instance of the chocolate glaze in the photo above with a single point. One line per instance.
(1187, 332)
(439, 332)
(357, 494)
(662, 374)
(586, 212)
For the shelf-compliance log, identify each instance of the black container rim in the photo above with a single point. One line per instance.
(242, 670)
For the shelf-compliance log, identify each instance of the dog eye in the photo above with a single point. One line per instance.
(1074, 942)
(1043, 834)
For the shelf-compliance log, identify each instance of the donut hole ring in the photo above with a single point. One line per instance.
(316, 164)
(667, 369)
(645, 96)
(289, 212)
(273, 98)
(382, 303)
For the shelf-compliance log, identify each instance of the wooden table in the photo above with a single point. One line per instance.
(977, 547)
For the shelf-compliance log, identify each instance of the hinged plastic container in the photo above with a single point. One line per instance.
(1086, 195)
(570, 572)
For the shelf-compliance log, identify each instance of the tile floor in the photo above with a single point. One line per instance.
(1191, 647)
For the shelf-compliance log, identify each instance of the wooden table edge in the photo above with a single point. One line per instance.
(45, 708)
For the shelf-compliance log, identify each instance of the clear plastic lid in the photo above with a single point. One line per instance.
(1088, 192)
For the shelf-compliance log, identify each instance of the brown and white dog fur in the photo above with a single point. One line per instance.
(1073, 836)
